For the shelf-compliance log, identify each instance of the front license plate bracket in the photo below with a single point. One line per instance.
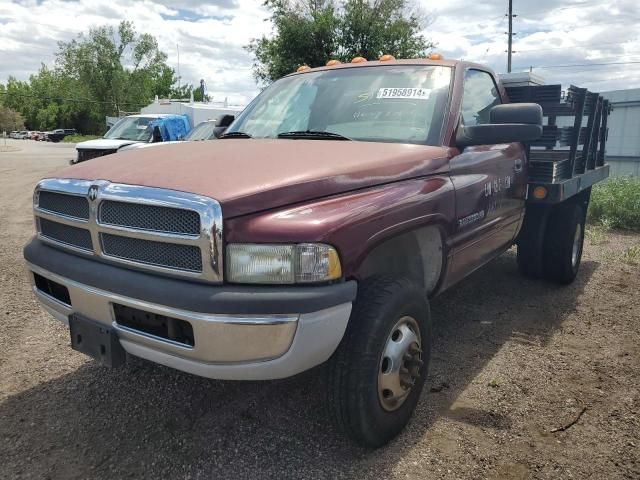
(96, 340)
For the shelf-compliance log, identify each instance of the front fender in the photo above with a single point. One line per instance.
(356, 222)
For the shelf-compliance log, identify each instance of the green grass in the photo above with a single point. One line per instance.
(79, 138)
(596, 234)
(631, 256)
(616, 204)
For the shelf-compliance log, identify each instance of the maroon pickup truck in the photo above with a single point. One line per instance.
(328, 214)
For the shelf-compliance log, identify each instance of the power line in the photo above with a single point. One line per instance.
(503, 19)
(580, 24)
(584, 65)
(613, 79)
(586, 45)
(77, 100)
(554, 10)
(584, 71)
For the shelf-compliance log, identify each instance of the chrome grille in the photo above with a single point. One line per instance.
(68, 205)
(168, 255)
(74, 236)
(85, 154)
(150, 217)
(167, 231)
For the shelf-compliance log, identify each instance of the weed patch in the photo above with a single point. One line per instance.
(616, 204)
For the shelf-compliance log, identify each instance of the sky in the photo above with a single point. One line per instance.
(210, 35)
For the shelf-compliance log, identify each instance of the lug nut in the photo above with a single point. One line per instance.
(407, 384)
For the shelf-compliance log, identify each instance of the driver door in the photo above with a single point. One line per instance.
(487, 205)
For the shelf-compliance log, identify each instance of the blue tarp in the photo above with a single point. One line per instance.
(172, 127)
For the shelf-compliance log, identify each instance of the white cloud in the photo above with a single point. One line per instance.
(211, 36)
(549, 33)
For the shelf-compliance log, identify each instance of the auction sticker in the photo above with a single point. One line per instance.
(412, 93)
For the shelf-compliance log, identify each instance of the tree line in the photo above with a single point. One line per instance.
(311, 32)
(107, 72)
(111, 71)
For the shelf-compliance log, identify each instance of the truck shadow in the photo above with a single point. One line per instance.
(149, 421)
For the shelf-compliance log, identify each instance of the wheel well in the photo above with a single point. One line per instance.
(583, 199)
(417, 255)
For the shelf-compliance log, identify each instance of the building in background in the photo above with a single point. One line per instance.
(196, 111)
(623, 144)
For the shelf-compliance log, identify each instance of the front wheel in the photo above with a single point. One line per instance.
(380, 367)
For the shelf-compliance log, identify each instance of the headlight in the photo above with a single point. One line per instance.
(301, 263)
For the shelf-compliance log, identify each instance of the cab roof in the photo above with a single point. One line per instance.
(389, 63)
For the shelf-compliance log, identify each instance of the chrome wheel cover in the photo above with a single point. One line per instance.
(400, 363)
(575, 251)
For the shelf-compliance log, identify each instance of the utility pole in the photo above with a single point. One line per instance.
(178, 48)
(510, 35)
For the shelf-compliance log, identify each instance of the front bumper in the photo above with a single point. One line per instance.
(243, 333)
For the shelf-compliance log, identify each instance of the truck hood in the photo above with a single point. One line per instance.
(249, 175)
(103, 144)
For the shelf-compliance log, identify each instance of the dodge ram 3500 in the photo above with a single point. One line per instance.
(332, 209)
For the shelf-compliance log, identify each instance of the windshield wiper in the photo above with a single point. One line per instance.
(235, 135)
(313, 135)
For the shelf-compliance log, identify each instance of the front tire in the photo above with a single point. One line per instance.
(379, 369)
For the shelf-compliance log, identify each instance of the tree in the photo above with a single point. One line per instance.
(310, 32)
(109, 71)
(49, 100)
(306, 33)
(10, 120)
(185, 90)
(117, 69)
(371, 29)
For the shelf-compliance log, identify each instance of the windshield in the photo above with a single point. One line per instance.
(131, 128)
(403, 104)
(202, 131)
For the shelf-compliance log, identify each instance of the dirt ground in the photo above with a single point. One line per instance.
(513, 359)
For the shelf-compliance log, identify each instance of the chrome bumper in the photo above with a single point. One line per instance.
(242, 347)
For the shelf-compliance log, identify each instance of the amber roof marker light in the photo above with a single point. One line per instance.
(303, 68)
(358, 60)
(386, 58)
(331, 63)
(435, 56)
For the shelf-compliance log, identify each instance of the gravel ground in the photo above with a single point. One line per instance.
(513, 359)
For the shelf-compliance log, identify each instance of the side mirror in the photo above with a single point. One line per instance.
(157, 135)
(217, 131)
(225, 121)
(222, 124)
(515, 122)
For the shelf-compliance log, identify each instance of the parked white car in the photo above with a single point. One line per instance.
(126, 131)
(203, 131)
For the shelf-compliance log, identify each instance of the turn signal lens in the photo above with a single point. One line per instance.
(539, 193)
(282, 264)
(303, 68)
(386, 58)
(435, 56)
(358, 60)
(331, 63)
(316, 263)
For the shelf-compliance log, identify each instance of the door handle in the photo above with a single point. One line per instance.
(517, 167)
